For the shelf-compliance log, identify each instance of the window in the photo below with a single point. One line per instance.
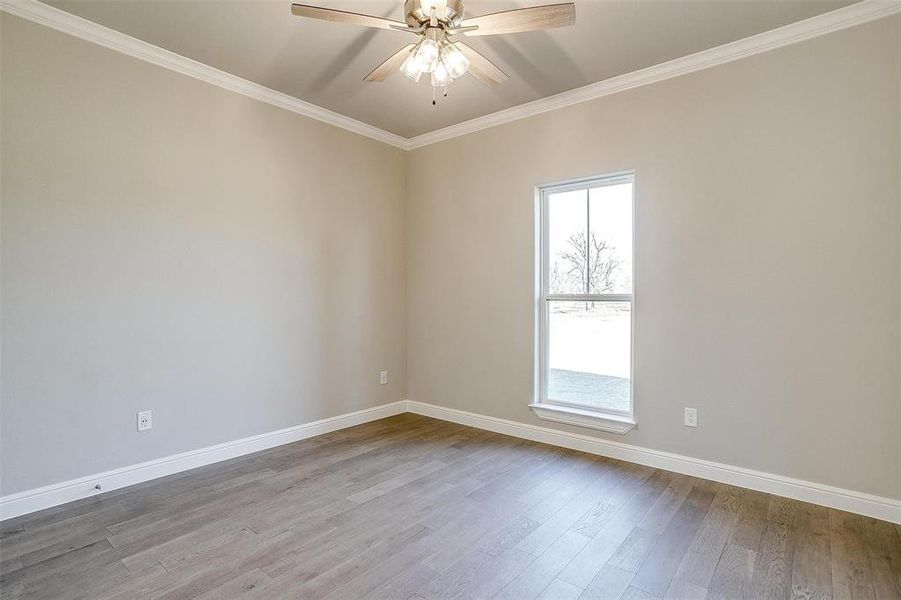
(585, 303)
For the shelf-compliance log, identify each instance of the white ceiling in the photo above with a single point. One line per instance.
(324, 63)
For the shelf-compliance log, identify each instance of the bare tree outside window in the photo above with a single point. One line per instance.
(585, 267)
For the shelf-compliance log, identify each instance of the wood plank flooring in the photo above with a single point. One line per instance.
(411, 507)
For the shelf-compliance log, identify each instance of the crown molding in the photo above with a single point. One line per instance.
(836, 20)
(44, 14)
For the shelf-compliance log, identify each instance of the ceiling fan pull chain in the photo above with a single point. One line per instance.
(433, 96)
(445, 91)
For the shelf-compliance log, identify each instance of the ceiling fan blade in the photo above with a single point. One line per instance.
(343, 16)
(534, 18)
(481, 68)
(381, 72)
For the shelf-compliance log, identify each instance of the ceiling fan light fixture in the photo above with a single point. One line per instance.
(428, 54)
(456, 62)
(432, 22)
(441, 76)
(411, 67)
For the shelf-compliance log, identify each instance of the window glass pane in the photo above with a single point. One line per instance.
(567, 228)
(589, 354)
(610, 239)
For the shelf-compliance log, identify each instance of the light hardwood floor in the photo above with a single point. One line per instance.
(411, 507)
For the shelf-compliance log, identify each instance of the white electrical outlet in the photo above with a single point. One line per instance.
(145, 420)
(383, 377)
(691, 417)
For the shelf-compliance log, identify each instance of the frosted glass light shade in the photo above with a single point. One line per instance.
(456, 62)
(441, 76)
(428, 55)
(411, 66)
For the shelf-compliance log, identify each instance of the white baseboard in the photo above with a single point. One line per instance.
(30, 501)
(877, 507)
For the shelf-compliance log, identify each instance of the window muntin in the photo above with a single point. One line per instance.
(586, 295)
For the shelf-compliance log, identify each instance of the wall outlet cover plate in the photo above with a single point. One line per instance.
(145, 420)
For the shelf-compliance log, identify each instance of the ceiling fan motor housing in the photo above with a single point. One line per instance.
(418, 12)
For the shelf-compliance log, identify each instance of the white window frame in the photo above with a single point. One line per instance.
(555, 410)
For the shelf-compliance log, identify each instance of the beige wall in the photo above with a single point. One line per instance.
(172, 246)
(767, 264)
(898, 20)
(168, 245)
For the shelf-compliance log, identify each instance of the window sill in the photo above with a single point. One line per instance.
(583, 418)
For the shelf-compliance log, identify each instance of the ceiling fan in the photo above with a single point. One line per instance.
(436, 52)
